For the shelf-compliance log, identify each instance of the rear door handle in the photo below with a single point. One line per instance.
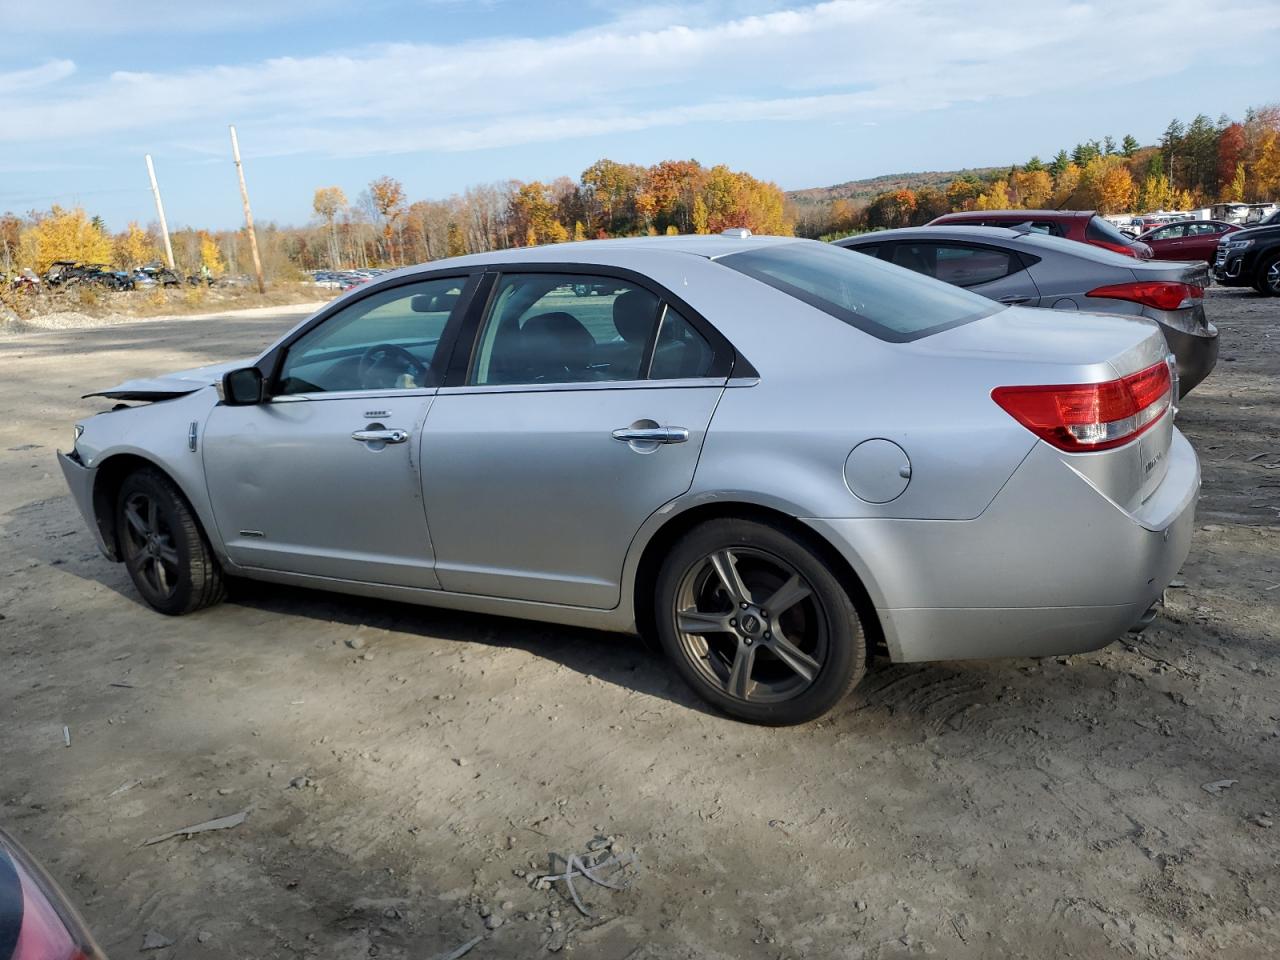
(652, 434)
(381, 436)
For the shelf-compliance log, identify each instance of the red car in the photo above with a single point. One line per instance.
(1084, 226)
(1188, 239)
(37, 922)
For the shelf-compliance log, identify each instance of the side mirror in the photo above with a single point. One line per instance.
(243, 387)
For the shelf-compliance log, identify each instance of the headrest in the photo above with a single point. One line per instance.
(559, 336)
(634, 313)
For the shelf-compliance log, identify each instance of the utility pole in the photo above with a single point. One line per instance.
(164, 227)
(248, 213)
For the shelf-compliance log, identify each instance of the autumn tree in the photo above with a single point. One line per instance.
(995, 197)
(1064, 185)
(328, 202)
(211, 263)
(1231, 145)
(386, 195)
(609, 185)
(1116, 192)
(962, 191)
(133, 248)
(10, 240)
(1266, 169)
(64, 235)
(891, 209)
(534, 215)
(1030, 189)
(701, 216)
(930, 203)
(1154, 194)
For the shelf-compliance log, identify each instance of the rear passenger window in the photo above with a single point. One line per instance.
(871, 249)
(554, 328)
(962, 266)
(681, 351)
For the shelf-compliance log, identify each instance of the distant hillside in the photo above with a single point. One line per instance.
(866, 189)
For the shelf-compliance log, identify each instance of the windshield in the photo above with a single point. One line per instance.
(888, 302)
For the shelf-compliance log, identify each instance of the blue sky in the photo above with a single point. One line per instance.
(447, 93)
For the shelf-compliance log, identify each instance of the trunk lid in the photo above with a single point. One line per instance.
(1024, 346)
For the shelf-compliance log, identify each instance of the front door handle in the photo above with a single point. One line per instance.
(381, 436)
(654, 434)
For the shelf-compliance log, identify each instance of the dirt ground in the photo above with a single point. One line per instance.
(407, 770)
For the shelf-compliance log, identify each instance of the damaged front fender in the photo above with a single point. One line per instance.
(171, 385)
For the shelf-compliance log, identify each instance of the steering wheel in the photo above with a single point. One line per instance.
(378, 361)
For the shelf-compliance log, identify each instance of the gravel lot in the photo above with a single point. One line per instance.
(405, 770)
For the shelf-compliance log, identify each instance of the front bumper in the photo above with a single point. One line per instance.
(1232, 269)
(1053, 567)
(80, 479)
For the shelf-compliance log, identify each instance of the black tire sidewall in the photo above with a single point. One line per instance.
(1261, 283)
(846, 656)
(177, 517)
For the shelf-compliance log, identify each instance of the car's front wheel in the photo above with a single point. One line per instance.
(1268, 283)
(758, 623)
(163, 547)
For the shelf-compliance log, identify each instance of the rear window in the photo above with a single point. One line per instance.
(883, 300)
(1104, 230)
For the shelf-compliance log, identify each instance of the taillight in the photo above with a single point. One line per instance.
(36, 921)
(1161, 294)
(1079, 417)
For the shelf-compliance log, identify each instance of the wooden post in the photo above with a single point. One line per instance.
(164, 227)
(248, 213)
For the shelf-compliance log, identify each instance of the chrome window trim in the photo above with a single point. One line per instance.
(388, 393)
(690, 383)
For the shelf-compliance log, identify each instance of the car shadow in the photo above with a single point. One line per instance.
(622, 659)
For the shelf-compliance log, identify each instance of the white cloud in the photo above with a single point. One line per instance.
(23, 81)
(657, 66)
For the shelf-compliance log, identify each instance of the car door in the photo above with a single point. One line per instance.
(578, 410)
(1201, 241)
(324, 477)
(983, 268)
(1168, 242)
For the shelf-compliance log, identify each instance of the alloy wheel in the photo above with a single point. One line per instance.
(1272, 280)
(149, 549)
(750, 623)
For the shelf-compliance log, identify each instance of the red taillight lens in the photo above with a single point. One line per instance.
(1079, 417)
(1161, 294)
(36, 920)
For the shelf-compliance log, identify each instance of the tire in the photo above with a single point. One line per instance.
(1268, 282)
(736, 657)
(163, 547)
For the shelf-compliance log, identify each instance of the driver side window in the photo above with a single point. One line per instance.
(385, 341)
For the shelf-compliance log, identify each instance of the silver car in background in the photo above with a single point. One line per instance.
(769, 454)
(1029, 268)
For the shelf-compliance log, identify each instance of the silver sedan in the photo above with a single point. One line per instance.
(772, 456)
(1021, 266)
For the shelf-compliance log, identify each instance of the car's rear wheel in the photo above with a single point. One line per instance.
(757, 623)
(163, 547)
(1268, 283)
